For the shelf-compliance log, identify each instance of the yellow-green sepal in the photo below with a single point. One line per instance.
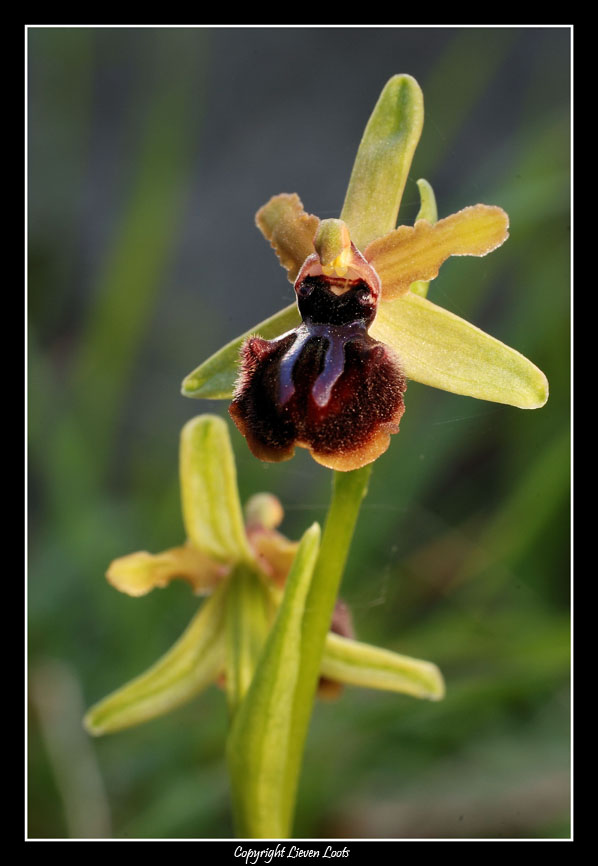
(260, 744)
(383, 161)
(215, 378)
(210, 499)
(360, 664)
(438, 348)
(194, 662)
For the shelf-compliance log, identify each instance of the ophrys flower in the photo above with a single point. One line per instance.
(243, 567)
(362, 327)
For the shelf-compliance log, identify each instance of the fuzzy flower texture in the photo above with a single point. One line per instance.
(362, 325)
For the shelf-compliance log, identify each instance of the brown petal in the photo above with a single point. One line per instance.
(289, 229)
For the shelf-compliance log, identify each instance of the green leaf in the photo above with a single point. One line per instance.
(437, 348)
(359, 664)
(210, 498)
(189, 666)
(383, 161)
(215, 378)
(429, 212)
(260, 746)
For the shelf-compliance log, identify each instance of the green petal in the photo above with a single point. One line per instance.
(383, 161)
(210, 499)
(427, 207)
(189, 666)
(260, 741)
(427, 211)
(359, 664)
(437, 348)
(215, 378)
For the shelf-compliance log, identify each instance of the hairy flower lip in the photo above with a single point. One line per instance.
(315, 391)
(405, 254)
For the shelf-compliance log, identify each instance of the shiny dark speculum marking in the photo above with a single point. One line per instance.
(318, 304)
(327, 385)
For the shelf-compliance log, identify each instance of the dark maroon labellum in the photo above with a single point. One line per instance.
(327, 385)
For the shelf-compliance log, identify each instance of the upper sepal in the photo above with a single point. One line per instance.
(210, 498)
(383, 161)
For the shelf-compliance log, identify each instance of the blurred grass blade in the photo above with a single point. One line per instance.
(437, 348)
(470, 64)
(260, 743)
(56, 694)
(215, 378)
(134, 264)
(359, 664)
(194, 662)
(211, 508)
(524, 518)
(383, 161)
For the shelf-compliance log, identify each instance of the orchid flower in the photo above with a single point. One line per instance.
(242, 565)
(330, 372)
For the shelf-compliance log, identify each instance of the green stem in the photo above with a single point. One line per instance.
(267, 738)
(348, 491)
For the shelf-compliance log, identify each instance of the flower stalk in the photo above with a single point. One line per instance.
(266, 743)
(348, 492)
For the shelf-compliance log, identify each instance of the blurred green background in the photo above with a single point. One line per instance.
(149, 152)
